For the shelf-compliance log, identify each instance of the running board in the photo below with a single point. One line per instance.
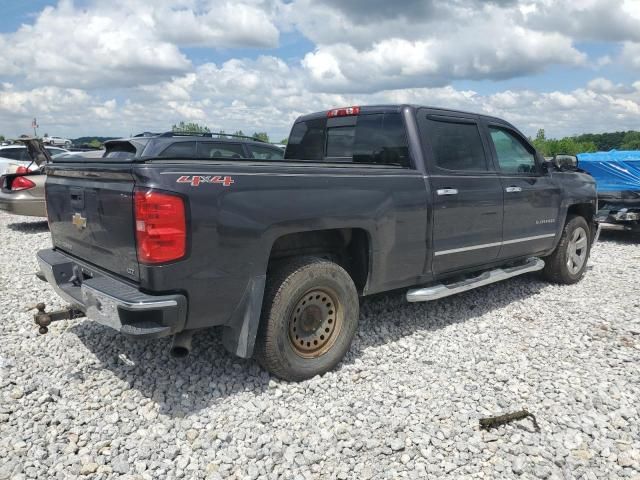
(485, 278)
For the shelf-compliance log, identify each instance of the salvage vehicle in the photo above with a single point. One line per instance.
(13, 156)
(64, 142)
(617, 175)
(160, 238)
(22, 188)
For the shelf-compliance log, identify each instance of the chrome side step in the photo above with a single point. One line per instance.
(485, 278)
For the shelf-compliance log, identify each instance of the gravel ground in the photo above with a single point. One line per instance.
(85, 402)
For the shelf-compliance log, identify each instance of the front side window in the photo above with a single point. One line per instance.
(456, 146)
(220, 150)
(513, 156)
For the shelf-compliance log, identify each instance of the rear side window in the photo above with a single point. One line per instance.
(180, 150)
(15, 154)
(381, 139)
(456, 146)
(220, 150)
(374, 139)
(265, 153)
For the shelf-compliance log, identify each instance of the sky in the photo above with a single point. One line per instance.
(121, 67)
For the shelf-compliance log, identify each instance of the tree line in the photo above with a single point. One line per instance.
(587, 142)
(192, 127)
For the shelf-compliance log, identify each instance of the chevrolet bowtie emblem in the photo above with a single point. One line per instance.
(79, 221)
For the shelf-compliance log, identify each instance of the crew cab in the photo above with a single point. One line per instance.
(278, 251)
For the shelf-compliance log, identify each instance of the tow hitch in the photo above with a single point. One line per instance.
(43, 319)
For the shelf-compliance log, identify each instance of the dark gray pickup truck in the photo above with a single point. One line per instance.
(153, 241)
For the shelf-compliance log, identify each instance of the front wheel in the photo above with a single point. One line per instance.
(309, 317)
(568, 261)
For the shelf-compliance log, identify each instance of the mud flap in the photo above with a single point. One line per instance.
(239, 337)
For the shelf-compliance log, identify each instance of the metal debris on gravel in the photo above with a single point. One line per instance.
(86, 402)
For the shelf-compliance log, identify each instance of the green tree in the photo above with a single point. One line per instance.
(540, 141)
(284, 141)
(604, 141)
(190, 127)
(95, 143)
(567, 145)
(239, 132)
(261, 136)
(2, 139)
(631, 141)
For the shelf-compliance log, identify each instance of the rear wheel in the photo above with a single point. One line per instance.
(568, 262)
(309, 317)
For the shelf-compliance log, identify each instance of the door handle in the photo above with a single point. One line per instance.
(513, 189)
(447, 191)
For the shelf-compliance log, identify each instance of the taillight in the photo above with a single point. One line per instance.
(161, 230)
(343, 112)
(21, 183)
(22, 169)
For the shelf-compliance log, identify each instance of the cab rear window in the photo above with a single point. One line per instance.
(372, 139)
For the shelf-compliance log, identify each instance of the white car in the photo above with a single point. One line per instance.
(65, 142)
(17, 155)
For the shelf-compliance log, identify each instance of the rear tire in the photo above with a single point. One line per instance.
(309, 317)
(568, 262)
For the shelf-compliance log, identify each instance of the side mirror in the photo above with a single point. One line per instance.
(565, 162)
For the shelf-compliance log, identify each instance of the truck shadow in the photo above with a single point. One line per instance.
(39, 226)
(620, 236)
(181, 387)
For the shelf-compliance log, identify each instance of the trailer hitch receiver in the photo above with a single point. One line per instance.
(43, 318)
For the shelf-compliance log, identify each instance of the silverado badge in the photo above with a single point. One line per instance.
(79, 221)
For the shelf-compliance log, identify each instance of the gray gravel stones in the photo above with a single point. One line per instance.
(85, 402)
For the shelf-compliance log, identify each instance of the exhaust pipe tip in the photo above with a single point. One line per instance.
(180, 352)
(181, 346)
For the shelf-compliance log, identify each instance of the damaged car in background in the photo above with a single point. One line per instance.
(22, 186)
(617, 175)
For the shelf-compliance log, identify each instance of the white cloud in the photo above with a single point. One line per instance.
(127, 43)
(122, 67)
(272, 94)
(464, 40)
(218, 24)
(401, 63)
(631, 54)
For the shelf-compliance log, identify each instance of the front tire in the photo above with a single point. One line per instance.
(309, 317)
(568, 262)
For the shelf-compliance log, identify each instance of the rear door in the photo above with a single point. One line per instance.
(531, 197)
(467, 192)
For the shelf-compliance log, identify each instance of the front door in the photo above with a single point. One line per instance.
(531, 198)
(467, 193)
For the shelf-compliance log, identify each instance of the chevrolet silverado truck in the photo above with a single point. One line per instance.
(167, 236)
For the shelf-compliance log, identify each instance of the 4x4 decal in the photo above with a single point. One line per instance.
(196, 180)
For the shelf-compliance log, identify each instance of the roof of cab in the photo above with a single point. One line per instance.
(395, 108)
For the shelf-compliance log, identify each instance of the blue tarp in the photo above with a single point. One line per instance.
(614, 170)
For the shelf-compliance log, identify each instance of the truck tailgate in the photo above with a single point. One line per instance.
(91, 215)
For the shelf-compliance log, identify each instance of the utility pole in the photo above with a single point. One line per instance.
(34, 124)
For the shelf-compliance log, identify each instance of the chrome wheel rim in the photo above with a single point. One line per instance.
(315, 322)
(577, 250)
